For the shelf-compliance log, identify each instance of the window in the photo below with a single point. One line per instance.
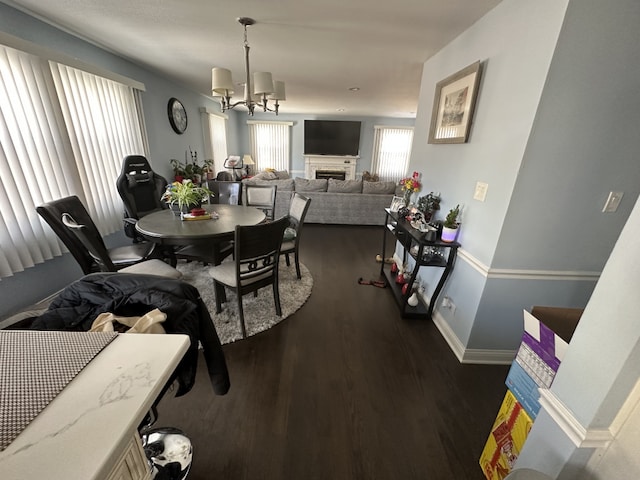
(63, 132)
(270, 144)
(215, 139)
(391, 150)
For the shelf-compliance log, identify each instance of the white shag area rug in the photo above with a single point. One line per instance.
(260, 311)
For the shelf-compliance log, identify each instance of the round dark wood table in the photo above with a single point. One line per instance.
(166, 228)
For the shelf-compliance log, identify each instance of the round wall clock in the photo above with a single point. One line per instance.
(177, 115)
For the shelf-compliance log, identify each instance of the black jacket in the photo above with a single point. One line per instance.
(129, 294)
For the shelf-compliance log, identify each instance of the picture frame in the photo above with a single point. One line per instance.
(396, 203)
(454, 104)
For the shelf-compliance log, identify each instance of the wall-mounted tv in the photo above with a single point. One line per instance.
(331, 137)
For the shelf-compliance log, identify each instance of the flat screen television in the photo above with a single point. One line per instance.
(331, 137)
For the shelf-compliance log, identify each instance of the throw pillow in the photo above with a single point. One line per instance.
(344, 186)
(282, 174)
(368, 177)
(264, 176)
(311, 185)
(379, 188)
(283, 185)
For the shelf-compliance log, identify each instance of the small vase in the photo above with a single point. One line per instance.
(413, 300)
(407, 197)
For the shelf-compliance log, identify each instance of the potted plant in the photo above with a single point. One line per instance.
(450, 225)
(178, 169)
(428, 205)
(207, 169)
(184, 196)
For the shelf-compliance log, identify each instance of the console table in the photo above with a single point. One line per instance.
(89, 430)
(425, 253)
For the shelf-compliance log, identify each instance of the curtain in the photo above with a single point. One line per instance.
(270, 145)
(391, 150)
(104, 127)
(215, 135)
(62, 133)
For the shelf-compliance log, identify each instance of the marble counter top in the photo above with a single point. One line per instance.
(82, 432)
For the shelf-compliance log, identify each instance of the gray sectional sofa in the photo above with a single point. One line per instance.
(344, 202)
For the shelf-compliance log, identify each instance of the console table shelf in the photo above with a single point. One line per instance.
(425, 253)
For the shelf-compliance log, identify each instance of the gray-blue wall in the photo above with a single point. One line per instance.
(25, 288)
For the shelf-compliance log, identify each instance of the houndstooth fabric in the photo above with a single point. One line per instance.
(35, 367)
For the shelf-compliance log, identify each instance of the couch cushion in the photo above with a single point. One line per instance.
(379, 188)
(311, 185)
(282, 174)
(265, 176)
(283, 185)
(344, 186)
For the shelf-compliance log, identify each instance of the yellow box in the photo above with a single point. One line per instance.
(508, 434)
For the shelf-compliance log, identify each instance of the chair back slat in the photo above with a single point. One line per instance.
(257, 249)
(262, 197)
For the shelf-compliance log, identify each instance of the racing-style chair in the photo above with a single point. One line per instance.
(140, 189)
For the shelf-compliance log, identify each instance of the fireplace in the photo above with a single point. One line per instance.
(337, 174)
(324, 166)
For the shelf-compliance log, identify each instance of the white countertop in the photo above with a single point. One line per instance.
(81, 433)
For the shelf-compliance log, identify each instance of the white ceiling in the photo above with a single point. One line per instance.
(318, 48)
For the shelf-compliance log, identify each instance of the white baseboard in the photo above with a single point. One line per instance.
(472, 356)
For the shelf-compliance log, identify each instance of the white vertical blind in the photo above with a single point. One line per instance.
(52, 148)
(391, 150)
(103, 124)
(33, 154)
(215, 139)
(270, 145)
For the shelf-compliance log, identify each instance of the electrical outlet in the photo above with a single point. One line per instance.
(613, 200)
(481, 191)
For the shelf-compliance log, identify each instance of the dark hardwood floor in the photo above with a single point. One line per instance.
(342, 389)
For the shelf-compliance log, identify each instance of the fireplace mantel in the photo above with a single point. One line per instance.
(346, 164)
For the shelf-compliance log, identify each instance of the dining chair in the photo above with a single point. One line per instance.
(262, 197)
(291, 242)
(52, 212)
(121, 259)
(140, 189)
(228, 193)
(255, 264)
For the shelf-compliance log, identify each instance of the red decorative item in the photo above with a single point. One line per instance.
(196, 212)
(400, 279)
(405, 287)
(394, 267)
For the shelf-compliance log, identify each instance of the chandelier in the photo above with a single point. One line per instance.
(256, 93)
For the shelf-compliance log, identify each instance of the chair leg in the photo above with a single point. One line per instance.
(241, 315)
(276, 299)
(297, 260)
(216, 291)
(286, 257)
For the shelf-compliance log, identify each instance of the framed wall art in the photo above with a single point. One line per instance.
(453, 106)
(396, 203)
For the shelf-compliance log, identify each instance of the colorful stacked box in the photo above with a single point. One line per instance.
(534, 367)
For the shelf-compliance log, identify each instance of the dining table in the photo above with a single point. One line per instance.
(173, 233)
(167, 228)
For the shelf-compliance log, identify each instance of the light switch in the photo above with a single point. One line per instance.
(481, 191)
(611, 205)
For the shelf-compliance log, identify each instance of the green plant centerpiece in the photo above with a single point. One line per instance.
(184, 196)
(450, 225)
(428, 205)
